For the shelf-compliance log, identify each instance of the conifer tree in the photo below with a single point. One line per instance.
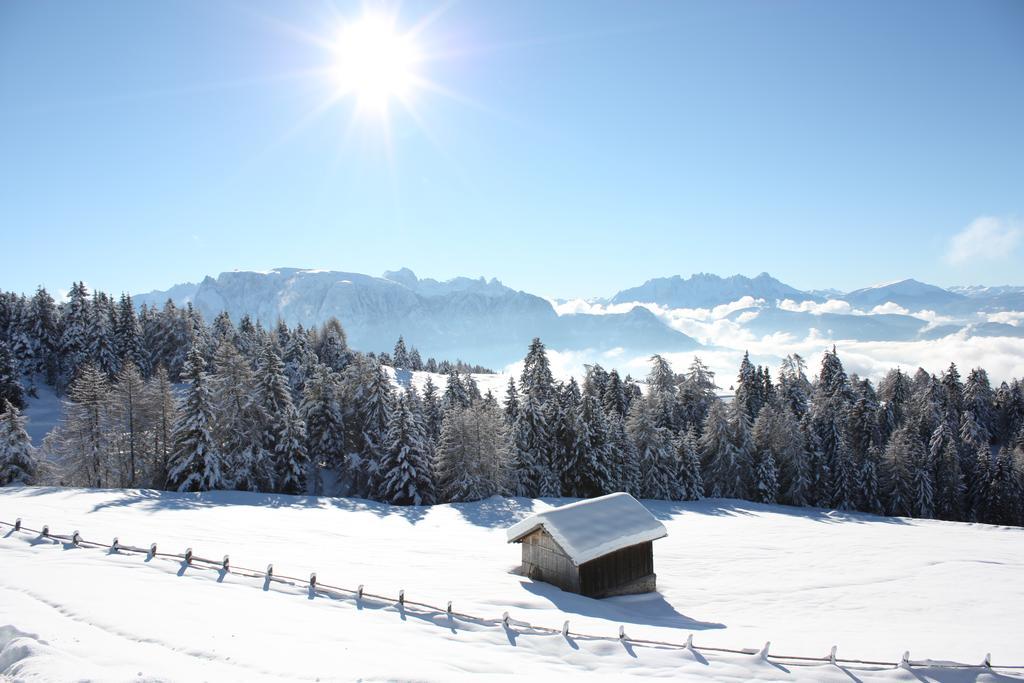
(18, 464)
(531, 472)
(511, 408)
(472, 455)
(10, 386)
(325, 423)
(196, 462)
(688, 477)
(405, 468)
(284, 433)
(587, 466)
(655, 452)
(722, 470)
(625, 469)
(433, 414)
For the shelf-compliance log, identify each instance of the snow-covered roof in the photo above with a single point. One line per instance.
(591, 528)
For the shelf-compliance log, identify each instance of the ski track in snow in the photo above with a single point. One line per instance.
(733, 574)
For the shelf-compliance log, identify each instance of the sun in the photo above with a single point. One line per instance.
(374, 63)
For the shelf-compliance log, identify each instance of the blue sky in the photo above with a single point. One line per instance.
(571, 149)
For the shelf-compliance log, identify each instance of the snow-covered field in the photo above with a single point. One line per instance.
(733, 574)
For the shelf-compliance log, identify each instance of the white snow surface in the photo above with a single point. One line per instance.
(588, 529)
(731, 573)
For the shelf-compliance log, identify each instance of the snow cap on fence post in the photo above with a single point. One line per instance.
(270, 570)
(114, 545)
(401, 597)
(152, 549)
(565, 629)
(312, 580)
(449, 610)
(45, 533)
(763, 654)
(987, 662)
(905, 661)
(832, 655)
(689, 642)
(188, 555)
(76, 538)
(17, 524)
(359, 592)
(504, 619)
(226, 564)
(622, 632)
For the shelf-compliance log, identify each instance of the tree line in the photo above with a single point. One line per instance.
(174, 403)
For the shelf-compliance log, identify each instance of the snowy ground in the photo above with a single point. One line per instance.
(732, 574)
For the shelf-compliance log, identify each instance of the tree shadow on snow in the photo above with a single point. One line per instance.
(497, 511)
(729, 507)
(650, 609)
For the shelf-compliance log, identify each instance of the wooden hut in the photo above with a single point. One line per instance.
(598, 547)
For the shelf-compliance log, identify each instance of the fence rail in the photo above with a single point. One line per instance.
(317, 587)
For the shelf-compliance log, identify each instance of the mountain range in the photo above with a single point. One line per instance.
(484, 321)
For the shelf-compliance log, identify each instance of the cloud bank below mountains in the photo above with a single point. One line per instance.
(728, 339)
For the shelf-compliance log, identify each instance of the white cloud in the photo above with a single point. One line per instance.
(815, 308)
(1007, 317)
(987, 238)
(889, 307)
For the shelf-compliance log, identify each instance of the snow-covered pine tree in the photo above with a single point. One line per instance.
(511, 408)
(240, 421)
(74, 338)
(79, 442)
(899, 471)
(325, 424)
(455, 393)
(45, 334)
(722, 472)
(405, 467)
(819, 480)
(472, 454)
(978, 401)
(765, 488)
(625, 470)
(587, 460)
(18, 464)
(196, 462)
(690, 485)
(567, 440)
(128, 336)
(401, 355)
(433, 415)
(944, 456)
(614, 398)
(794, 388)
(655, 451)
(536, 377)
(373, 397)
(979, 485)
(223, 330)
(10, 385)
(749, 387)
(102, 345)
(869, 476)
(530, 473)
(284, 434)
(1002, 503)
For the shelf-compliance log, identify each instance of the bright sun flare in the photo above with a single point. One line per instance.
(375, 64)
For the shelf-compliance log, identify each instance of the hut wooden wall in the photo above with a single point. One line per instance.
(544, 560)
(607, 574)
